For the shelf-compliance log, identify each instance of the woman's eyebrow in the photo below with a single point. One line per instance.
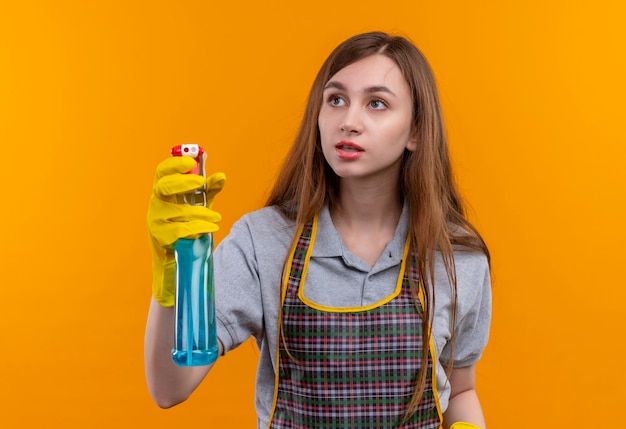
(336, 85)
(376, 88)
(379, 88)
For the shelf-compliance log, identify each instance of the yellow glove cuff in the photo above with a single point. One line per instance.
(463, 425)
(163, 279)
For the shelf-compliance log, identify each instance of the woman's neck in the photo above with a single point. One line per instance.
(376, 203)
(366, 217)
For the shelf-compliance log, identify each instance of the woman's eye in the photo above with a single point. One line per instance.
(377, 104)
(335, 100)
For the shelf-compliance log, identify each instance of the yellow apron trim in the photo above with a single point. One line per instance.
(287, 269)
(320, 307)
(433, 374)
(433, 378)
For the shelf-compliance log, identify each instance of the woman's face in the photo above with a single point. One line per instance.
(365, 119)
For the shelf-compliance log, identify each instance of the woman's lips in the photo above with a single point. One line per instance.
(348, 150)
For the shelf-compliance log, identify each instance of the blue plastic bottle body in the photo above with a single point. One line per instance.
(195, 338)
(195, 341)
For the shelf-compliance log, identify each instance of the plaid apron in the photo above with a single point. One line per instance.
(349, 368)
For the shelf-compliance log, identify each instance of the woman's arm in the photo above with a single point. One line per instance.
(168, 383)
(464, 405)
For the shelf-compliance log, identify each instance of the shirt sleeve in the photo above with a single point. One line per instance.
(473, 311)
(237, 288)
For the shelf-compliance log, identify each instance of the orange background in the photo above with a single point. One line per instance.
(94, 93)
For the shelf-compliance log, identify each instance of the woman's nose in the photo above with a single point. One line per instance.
(352, 121)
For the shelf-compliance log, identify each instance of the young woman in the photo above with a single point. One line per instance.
(365, 286)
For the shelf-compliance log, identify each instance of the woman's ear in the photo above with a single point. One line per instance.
(411, 145)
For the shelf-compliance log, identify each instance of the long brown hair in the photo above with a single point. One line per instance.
(436, 211)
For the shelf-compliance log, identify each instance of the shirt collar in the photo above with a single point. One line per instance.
(328, 242)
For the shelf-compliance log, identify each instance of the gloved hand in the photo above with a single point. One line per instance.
(169, 221)
(463, 425)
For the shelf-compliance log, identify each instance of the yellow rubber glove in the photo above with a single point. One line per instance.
(463, 425)
(169, 221)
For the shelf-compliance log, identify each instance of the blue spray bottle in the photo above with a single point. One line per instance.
(195, 339)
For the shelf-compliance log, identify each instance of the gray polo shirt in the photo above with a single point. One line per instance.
(248, 265)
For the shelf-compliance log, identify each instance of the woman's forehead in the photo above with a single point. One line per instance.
(375, 72)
